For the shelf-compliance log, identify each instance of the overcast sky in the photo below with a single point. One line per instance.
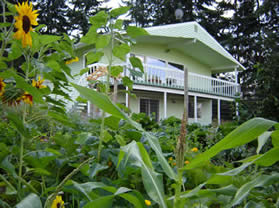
(111, 3)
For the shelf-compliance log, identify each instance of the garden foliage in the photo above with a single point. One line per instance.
(50, 158)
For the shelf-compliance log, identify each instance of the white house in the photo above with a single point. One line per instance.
(165, 53)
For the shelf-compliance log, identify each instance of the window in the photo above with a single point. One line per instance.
(150, 107)
(176, 66)
(155, 62)
(191, 108)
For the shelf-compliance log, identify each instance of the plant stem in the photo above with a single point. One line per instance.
(8, 183)
(179, 152)
(60, 186)
(178, 189)
(28, 185)
(101, 137)
(20, 160)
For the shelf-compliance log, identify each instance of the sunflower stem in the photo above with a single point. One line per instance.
(27, 58)
(110, 59)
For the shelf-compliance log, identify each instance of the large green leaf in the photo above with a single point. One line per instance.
(252, 204)
(121, 51)
(134, 31)
(100, 100)
(91, 36)
(116, 70)
(237, 170)
(102, 41)
(155, 145)
(119, 11)
(263, 180)
(40, 158)
(268, 158)
(229, 190)
(152, 181)
(262, 140)
(61, 118)
(136, 63)
(86, 188)
(189, 193)
(275, 138)
(136, 198)
(95, 168)
(31, 201)
(99, 19)
(118, 24)
(101, 202)
(15, 52)
(18, 123)
(93, 57)
(127, 82)
(241, 135)
(47, 39)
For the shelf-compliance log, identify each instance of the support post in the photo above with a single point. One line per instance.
(88, 102)
(186, 99)
(236, 75)
(127, 98)
(126, 74)
(88, 108)
(115, 90)
(237, 91)
(219, 111)
(165, 105)
(236, 110)
(196, 109)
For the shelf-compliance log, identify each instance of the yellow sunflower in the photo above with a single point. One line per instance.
(58, 202)
(24, 22)
(27, 98)
(2, 87)
(38, 84)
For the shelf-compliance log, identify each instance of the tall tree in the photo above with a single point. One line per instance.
(69, 17)
(159, 12)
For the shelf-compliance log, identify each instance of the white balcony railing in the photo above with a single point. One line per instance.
(174, 78)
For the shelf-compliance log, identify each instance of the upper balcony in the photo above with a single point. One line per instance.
(174, 78)
(168, 77)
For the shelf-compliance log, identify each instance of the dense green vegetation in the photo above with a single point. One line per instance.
(49, 158)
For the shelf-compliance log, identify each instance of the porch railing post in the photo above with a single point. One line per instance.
(186, 99)
(165, 105)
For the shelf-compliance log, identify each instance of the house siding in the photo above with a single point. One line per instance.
(172, 55)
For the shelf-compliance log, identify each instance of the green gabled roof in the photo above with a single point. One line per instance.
(192, 39)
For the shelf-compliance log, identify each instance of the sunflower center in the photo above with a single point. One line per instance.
(26, 24)
(58, 205)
